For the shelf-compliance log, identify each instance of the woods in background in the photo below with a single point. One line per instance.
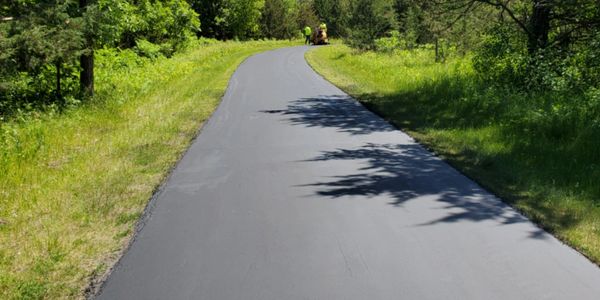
(47, 46)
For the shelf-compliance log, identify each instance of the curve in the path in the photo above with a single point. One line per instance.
(294, 191)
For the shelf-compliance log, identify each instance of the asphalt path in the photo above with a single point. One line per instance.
(293, 190)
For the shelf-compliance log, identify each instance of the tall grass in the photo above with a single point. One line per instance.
(540, 151)
(72, 185)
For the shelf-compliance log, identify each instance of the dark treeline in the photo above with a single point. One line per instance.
(47, 46)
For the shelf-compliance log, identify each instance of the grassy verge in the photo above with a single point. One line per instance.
(72, 185)
(536, 151)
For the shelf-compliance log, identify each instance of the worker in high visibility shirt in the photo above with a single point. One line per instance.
(323, 27)
(307, 34)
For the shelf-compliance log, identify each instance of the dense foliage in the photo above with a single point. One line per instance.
(47, 46)
(543, 49)
(41, 40)
(275, 19)
(368, 21)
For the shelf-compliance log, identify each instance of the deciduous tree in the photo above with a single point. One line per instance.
(278, 19)
(369, 21)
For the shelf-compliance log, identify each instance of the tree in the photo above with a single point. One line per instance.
(229, 19)
(86, 61)
(306, 15)
(543, 22)
(241, 18)
(369, 21)
(278, 19)
(40, 34)
(211, 14)
(412, 21)
(168, 23)
(335, 14)
(124, 22)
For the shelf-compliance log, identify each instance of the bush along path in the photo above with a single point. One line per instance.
(72, 185)
(539, 152)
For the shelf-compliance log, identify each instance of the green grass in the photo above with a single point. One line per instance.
(538, 151)
(72, 185)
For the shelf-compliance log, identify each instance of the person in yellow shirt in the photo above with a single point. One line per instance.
(307, 34)
(323, 27)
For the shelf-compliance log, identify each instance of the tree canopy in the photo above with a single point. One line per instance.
(47, 46)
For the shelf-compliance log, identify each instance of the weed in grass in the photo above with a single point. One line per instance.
(537, 150)
(31, 290)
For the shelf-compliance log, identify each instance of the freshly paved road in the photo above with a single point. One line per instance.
(295, 191)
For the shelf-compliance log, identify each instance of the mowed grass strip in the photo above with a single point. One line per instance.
(539, 152)
(73, 185)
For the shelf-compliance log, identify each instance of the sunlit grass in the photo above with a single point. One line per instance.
(539, 152)
(73, 185)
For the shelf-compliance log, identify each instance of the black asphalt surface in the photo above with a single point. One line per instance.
(294, 191)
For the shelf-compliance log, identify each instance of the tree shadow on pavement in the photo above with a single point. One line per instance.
(403, 172)
(334, 111)
(408, 172)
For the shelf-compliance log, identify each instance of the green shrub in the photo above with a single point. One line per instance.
(148, 49)
(502, 56)
(391, 43)
(369, 21)
(159, 22)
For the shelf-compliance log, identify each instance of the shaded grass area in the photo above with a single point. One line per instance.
(539, 151)
(72, 185)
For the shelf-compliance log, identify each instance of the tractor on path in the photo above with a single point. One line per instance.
(319, 36)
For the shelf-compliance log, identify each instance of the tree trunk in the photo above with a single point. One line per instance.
(463, 40)
(437, 50)
(539, 25)
(86, 76)
(58, 75)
